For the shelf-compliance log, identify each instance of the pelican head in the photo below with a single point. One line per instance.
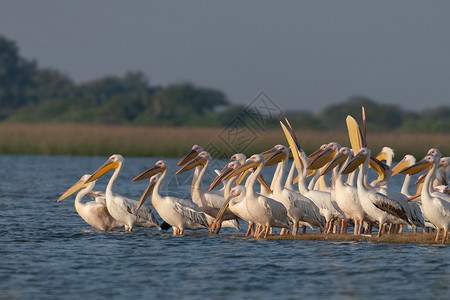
(385, 153)
(152, 182)
(231, 166)
(434, 152)
(426, 163)
(77, 186)
(327, 154)
(195, 150)
(112, 163)
(201, 159)
(319, 151)
(159, 167)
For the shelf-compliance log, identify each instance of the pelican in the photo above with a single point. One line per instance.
(263, 210)
(436, 206)
(179, 213)
(345, 195)
(412, 210)
(377, 206)
(300, 209)
(123, 209)
(95, 212)
(209, 202)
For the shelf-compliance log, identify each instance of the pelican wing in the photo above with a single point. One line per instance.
(98, 196)
(191, 214)
(385, 204)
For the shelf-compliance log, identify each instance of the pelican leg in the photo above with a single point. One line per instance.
(400, 228)
(356, 228)
(444, 238)
(295, 228)
(437, 234)
(251, 229)
(262, 231)
(304, 229)
(218, 228)
(381, 229)
(267, 231)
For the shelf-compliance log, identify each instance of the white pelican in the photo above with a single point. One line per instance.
(300, 209)
(237, 205)
(320, 198)
(123, 209)
(412, 210)
(377, 206)
(209, 202)
(436, 206)
(263, 210)
(179, 213)
(345, 195)
(95, 212)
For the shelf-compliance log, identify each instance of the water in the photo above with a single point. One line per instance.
(48, 251)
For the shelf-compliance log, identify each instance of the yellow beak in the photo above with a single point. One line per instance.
(354, 163)
(146, 193)
(221, 212)
(417, 167)
(192, 164)
(275, 158)
(73, 189)
(339, 159)
(105, 168)
(189, 156)
(403, 164)
(320, 161)
(149, 173)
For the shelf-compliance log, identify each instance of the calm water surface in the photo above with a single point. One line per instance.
(48, 251)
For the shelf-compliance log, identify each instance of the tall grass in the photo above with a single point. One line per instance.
(102, 140)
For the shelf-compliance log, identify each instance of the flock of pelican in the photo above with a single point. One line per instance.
(349, 200)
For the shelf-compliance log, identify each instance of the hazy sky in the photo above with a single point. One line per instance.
(305, 54)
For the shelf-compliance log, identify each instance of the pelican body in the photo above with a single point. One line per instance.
(121, 208)
(181, 214)
(95, 213)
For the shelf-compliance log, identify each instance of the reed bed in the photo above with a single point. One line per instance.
(103, 140)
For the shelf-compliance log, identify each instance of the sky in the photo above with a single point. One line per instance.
(304, 55)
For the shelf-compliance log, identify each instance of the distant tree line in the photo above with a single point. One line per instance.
(29, 93)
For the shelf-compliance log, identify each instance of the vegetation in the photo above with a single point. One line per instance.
(129, 114)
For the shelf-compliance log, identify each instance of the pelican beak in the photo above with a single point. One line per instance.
(414, 198)
(221, 212)
(242, 176)
(354, 134)
(105, 168)
(73, 189)
(379, 167)
(381, 156)
(417, 167)
(323, 158)
(403, 164)
(275, 158)
(192, 164)
(245, 166)
(147, 192)
(267, 154)
(190, 156)
(219, 178)
(309, 173)
(354, 163)
(264, 184)
(421, 178)
(339, 159)
(149, 173)
(315, 154)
